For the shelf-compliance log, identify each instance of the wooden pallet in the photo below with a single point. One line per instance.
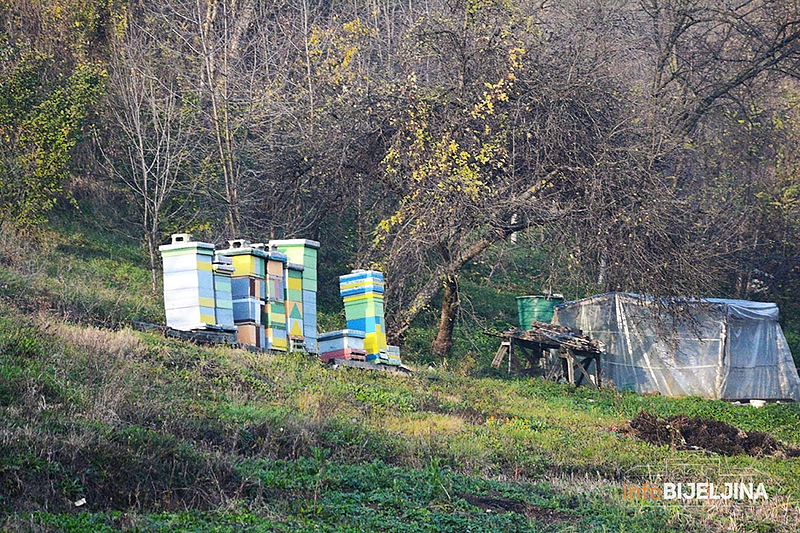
(367, 365)
(209, 335)
(297, 344)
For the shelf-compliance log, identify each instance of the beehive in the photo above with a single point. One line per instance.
(304, 252)
(274, 317)
(248, 291)
(294, 302)
(223, 297)
(343, 344)
(188, 283)
(393, 355)
(362, 292)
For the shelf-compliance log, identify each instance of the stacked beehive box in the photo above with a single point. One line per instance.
(294, 304)
(223, 297)
(362, 292)
(275, 305)
(248, 288)
(393, 355)
(304, 252)
(188, 283)
(343, 344)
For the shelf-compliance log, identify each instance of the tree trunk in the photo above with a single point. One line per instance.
(602, 275)
(432, 287)
(151, 248)
(450, 302)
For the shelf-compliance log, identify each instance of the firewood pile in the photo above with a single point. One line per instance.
(555, 336)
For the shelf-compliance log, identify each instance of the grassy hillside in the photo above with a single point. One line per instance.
(155, 434)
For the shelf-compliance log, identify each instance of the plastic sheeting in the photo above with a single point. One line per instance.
(726, 349)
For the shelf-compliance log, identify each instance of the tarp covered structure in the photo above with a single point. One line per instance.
(725, 349)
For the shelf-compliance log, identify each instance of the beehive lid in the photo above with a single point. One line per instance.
(183, 241)
(341, 333)
(242, 247)
(295, 242)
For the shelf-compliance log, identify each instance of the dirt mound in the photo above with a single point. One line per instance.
(684, 432)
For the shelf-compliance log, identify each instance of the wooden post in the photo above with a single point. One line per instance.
(597, 370)
(570, 367)
(582, 366)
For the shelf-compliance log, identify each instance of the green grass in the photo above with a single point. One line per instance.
(158, 434)
(81, 276)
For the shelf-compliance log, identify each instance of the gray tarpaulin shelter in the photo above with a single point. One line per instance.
(730, 349)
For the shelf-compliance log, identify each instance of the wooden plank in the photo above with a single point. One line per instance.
(365, 365)
(203, 336)
(147, 326)
(500, 355)
(581, 367)
(570, 367)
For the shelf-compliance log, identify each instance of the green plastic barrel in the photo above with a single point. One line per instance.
(539, 308)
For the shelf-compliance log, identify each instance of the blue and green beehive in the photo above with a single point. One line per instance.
(223, 297)
(303, 252)
(393, 355)
(362, 292)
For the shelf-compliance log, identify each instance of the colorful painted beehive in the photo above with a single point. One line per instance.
(275, 324)
(248, 290)
(294, 302)
(274, 318)
(393, 355)
(304, 252)
(361, 282)
(188, 283)
(362, 292)
(223, 297)
(343, 344)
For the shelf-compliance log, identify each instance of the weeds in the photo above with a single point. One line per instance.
(160, 435)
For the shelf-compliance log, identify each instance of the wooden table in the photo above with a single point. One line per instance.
(575, 353)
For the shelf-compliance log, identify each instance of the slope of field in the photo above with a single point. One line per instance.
(103, 428)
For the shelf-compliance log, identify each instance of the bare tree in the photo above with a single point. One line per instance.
(427, 132)
(705, 51)
(571, 133)
(152, 123)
